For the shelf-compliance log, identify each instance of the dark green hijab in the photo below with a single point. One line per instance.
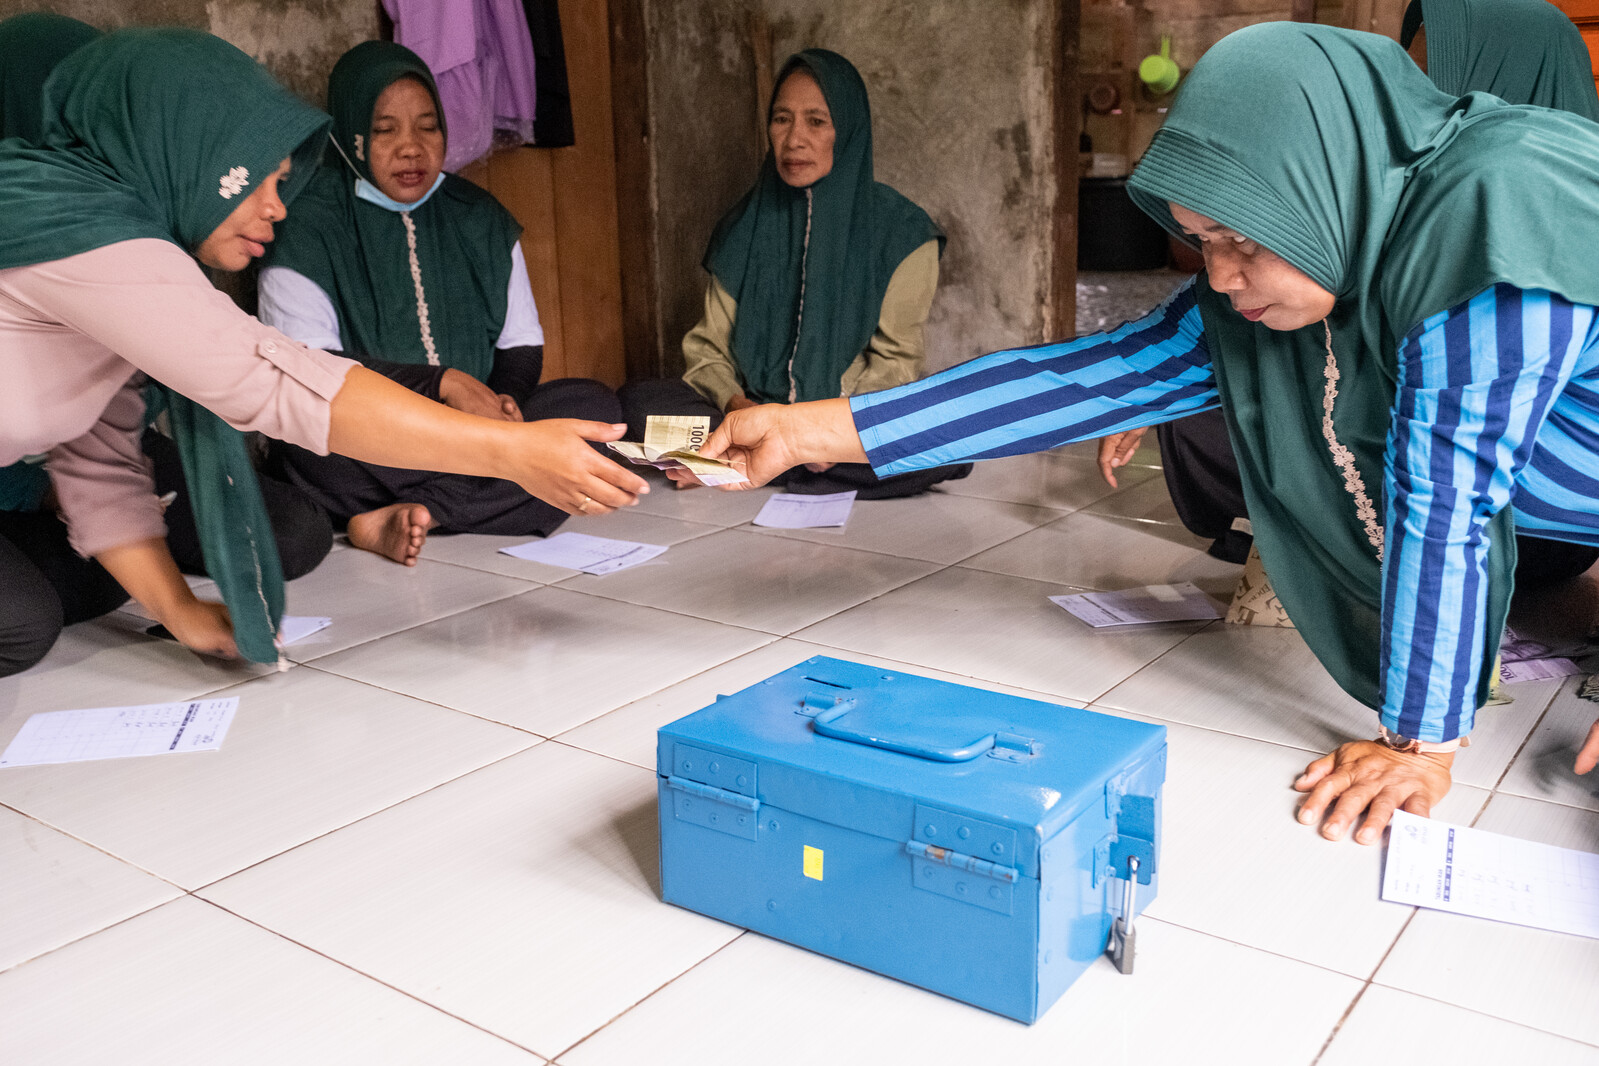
(30, 47)
(1522, 51)
(159, 134)
(359, 252)
(1330, 148)
(843, 237)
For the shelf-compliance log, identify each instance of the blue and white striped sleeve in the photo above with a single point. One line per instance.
(1476, 383)
(1029, 399)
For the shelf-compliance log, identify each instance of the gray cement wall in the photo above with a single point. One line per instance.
(701, 75)
(960, 93)
(298, 40)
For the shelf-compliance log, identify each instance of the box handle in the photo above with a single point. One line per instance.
(828, 725)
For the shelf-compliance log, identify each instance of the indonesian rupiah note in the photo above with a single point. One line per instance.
(673, 442)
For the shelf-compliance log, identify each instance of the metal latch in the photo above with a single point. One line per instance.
(967, 878)
(714, 808)
(1123, 937)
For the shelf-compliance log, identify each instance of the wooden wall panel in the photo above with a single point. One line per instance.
(565, 199)
(584, 182)
(523, 181)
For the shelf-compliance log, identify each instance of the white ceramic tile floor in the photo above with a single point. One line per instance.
(387, 862)
(937, 526)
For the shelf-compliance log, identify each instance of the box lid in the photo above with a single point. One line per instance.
(857, 745)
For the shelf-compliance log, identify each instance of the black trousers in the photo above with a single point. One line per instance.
(302, 530)
(1207, 490)
(459, 503)
(674, 396)
(44, 585)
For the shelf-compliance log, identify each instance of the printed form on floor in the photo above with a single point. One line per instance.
(1183, 602)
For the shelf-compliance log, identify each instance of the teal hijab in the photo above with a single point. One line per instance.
(30, 47)
(809, 267)
(160, 134)
(360, 253)
(1522, 51)
(1330, 148)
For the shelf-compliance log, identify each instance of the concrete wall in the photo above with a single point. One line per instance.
(298, 40)
(704, 153)
(960, 93)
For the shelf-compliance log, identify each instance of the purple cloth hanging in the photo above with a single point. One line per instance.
(482, 57)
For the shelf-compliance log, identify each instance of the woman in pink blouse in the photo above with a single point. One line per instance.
(162, 147)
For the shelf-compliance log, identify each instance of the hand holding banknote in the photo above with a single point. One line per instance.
(767, 440)
(673, 443)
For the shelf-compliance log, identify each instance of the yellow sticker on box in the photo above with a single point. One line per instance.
(813, 863)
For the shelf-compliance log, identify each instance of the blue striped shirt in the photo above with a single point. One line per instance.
(1498, 402)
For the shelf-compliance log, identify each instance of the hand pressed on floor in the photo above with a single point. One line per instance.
(1365, 776)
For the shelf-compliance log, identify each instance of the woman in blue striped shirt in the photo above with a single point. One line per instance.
(1397, 318)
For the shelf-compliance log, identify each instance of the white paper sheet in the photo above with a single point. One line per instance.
(1537, 670)
(784, 510)
(592, 555)
(1469, 871)
(296, 628)
(120, 732)
(1153, 603)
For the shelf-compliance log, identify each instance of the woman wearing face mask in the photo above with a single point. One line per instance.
(1522, 51)
(821, 279)
(418, 274)
(1398, 319)
(159, 145)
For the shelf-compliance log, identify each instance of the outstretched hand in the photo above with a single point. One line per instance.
(762, 442)
(554, 462)
(1365, 776)
(1116, 449)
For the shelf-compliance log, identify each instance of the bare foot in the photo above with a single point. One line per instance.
(396, 531)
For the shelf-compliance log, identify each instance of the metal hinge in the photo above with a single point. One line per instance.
(969, 863)
(714, 808)
(964, 877)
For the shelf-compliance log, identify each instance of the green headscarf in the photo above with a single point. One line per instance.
(838, 242)
(1522, 51)
(30, 47)
(160, 134)
(359, 253)
(1330, 148)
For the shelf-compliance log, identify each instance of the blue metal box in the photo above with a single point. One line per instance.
(962, 840)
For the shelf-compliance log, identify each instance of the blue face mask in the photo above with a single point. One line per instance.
(365, 190)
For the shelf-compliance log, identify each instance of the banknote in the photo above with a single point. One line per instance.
(676, 433)
(673, 442)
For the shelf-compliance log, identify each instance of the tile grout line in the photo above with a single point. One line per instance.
(742, 933)
(370, 977)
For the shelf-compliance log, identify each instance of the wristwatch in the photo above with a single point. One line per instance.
(1414, 747)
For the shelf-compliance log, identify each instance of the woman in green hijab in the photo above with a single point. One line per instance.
(821, 279)
(1398, 319)
(418, 274)
(159, 148)
(1522, 51)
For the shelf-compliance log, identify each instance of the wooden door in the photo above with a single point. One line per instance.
(1585, 13)
(565, 199)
